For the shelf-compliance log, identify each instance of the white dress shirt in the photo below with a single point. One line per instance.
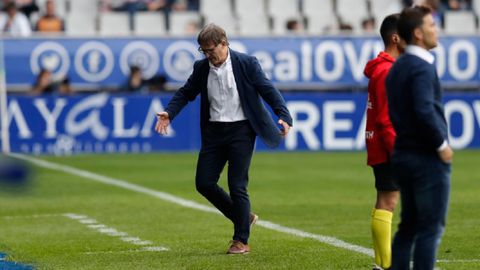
(225, 105)
(420, 52)
(19, 27)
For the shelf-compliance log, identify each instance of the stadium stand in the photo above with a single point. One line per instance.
(252, 17)
(181, 21)
(244, 17)
(80, 24)
(282, 11)
(211, 8)
(83, 7)
(252, 8)
(227, 21)
(476, 7)
(380, 8)
(253, 26)
(352, 16)
(150, 24)
(114, 24)
(320, 18)
(459, 22)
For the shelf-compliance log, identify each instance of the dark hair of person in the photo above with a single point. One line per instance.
(10, 6)
(211, 33)
(49, 88)
(389, 27)
(134, 69)
(410, 19)
(291, 24)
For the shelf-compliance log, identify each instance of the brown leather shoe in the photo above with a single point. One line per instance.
(238, 247)
(253, 219)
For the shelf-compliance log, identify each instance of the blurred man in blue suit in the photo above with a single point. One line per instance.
(15, 175)
(232, 86)
(422, 156)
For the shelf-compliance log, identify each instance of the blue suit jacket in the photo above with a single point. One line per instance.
(252, 87)
(415, 105)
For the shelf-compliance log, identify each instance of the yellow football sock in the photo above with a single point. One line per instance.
(378, 261)
(375, 247)
(382, 237)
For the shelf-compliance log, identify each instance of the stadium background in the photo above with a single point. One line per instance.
(318, 67)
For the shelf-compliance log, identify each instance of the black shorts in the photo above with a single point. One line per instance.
(384, 180)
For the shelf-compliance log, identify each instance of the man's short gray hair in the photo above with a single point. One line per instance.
(212, 33)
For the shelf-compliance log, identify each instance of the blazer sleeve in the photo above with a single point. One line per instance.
(382, 120)
(423, 102)
(187, 93)
(268, 92)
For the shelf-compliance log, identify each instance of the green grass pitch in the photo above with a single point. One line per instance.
(329, 194)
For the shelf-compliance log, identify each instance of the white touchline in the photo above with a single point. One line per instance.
(101, 228)
(31, 216)
(190, 204)
(143, 249)
(459, 261)
(160, 248)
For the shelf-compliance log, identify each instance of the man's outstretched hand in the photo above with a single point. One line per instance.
(163, 121)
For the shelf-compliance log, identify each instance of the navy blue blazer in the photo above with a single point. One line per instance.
(415, 105)
(252, 87)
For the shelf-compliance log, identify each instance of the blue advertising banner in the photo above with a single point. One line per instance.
(97, 123)
(290, 62)
(125, 123)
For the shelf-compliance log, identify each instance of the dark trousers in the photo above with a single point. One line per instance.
(233, 143)
(424, 187)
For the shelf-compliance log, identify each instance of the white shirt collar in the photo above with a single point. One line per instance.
(421, 53)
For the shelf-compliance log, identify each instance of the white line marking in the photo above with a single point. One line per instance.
(321, 238)
(101, 228)
(88, 221)
(261, 223)
(189, 204)
(31, 216)
(153, 249)
(75, 216)
(96, 226)
(459, 261)
(143, 249)
(136, 241)
(111, 232)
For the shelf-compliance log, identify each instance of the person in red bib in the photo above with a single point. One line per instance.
(380, 138)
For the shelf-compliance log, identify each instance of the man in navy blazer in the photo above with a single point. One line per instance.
(422, 156)
(232, 86)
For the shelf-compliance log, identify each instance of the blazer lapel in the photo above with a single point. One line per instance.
(236, 73)
(204, 69)
(203, 78)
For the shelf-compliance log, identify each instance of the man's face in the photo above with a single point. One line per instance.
(50, 7)
(429, 32)
(215, 53)
(12, 12)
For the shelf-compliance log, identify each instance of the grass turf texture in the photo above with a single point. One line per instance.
(323, 193)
